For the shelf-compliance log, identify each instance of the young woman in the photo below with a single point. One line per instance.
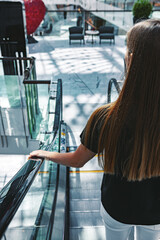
(126, 136)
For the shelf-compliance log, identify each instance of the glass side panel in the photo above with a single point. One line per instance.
(41, 109)
(29, 100)
(37, 97)
(9, 93)
(46, 116)
(34, 99)
(39, 198)
(57, 23)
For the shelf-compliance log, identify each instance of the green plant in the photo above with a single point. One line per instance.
(142, 9)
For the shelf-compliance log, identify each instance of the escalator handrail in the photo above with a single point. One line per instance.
(41, 209)
(112, 82)
(56, 127)
(12, 194)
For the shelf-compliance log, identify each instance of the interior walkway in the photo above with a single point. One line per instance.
(85, 71)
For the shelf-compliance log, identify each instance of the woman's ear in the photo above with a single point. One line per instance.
(128, 59)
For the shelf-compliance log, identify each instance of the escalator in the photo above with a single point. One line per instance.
(28, 200)
(47, 201)
(85, 193)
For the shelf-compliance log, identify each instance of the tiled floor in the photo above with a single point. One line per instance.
(85, 71)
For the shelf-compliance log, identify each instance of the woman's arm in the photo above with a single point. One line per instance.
(72, 159)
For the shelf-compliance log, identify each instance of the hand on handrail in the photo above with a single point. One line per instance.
(37, 155)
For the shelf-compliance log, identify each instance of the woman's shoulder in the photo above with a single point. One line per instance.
(99, 115)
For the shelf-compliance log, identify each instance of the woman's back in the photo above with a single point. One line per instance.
(137, 107)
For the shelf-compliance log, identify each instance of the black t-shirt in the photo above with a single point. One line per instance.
(130, 202)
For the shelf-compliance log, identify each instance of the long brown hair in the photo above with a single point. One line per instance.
(137, 109)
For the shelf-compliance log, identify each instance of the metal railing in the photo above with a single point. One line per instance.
(112, 82)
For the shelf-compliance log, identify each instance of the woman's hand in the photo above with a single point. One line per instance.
(38, 154)
(72, 159)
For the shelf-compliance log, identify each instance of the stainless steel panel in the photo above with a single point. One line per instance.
(90, 233)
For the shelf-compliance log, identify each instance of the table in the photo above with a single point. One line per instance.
(92, 33)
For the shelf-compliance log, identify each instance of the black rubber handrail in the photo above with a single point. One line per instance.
(56, 127)
(37, 82)
(14, 192)
(112, 82)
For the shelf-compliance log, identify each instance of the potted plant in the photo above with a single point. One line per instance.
(141, 10)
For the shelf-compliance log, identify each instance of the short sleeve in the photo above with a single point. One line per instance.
(92, 146)
(93, 127)
(92, 138)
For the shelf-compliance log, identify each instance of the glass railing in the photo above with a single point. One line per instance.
(25, 104)
(116, 13)
(11, 78)
(37, 101)
(13, 104)
(33, 217)
(32, 99)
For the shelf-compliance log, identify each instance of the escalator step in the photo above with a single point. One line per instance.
(80, 205)
(89, 181)
(85, 194)
(84, 219)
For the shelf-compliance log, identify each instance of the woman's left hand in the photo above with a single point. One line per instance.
(38, 154)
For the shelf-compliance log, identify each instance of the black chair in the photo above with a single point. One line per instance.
(76, 33)
(106, 32)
